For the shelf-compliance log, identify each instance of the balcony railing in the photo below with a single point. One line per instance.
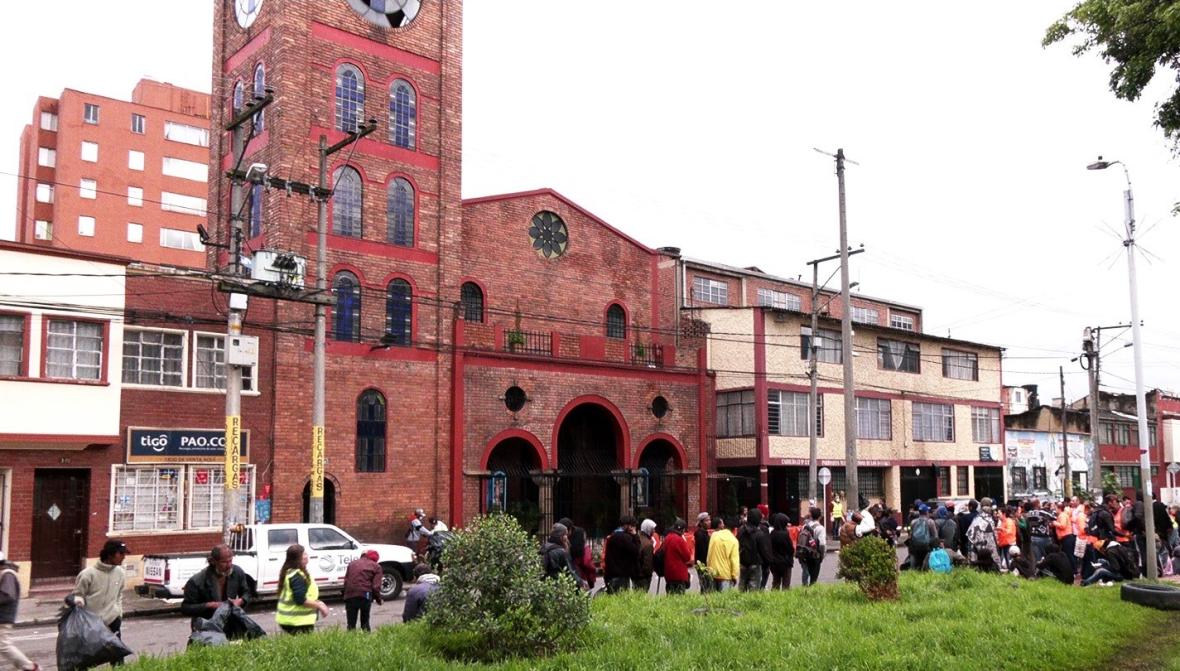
(528, 342)
(651, 356)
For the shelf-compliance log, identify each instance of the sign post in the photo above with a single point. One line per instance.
(825, 476)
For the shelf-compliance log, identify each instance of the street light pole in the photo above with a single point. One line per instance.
(1149, 560)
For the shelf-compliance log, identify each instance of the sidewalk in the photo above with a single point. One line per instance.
(41, 610)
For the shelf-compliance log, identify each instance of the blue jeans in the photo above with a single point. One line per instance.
(723, 585)
(1040, 546)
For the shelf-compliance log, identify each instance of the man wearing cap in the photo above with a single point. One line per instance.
(99, 588)
(220, 582)
(700, 539)
(362, 586)
(9, 601)
(418, 533)
(555, 555)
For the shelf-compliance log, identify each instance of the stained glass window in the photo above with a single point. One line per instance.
(347, 196)
(399, 212)
(403, 114)
(350, 98)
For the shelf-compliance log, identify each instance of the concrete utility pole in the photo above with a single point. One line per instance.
(1140, 397)
(316, 499)
(850, 470)
(230, 506)
(1068, 487)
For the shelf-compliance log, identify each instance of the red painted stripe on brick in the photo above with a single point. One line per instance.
(250, 48)
(340, 37)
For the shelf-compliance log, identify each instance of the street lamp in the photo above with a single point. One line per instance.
(1149, 560)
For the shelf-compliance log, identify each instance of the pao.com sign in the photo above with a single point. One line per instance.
(179, 445)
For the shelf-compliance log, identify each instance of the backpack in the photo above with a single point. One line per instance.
(940, 561)
(920, 533)
(807, 548)
(657, 561)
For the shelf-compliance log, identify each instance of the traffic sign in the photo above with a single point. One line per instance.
(825, 476)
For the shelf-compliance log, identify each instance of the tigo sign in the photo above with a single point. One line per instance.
(179, 445)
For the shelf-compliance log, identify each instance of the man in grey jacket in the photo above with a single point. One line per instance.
(9, 601)
(99, 588)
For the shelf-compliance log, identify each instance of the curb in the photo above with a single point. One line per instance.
(131, 614)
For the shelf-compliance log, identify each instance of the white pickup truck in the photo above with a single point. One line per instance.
(261, 548)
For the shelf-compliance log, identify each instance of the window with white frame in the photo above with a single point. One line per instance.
(135, 160)
(134, 232)
(138, 124)
(43, 229)
(829, 345)
(146, 498)
(135, 196)
(178, 132)
(205, 495)
(74, 350)
(12, 344)
(781, 300)
(90, 152)
(901, 321)
(735, 413)
(985, 425)
(178, 202)
(48, 121)
(46, 157)
(86, 226)
(898, 355)
(153, 357)
(209, 364)
(961, 365)
(176, 239)
(874, 418)
(90, 112)
(706, 290)
(786, 413)
(864, 315)
(178, 167)
(44, 193)
(88, 189)
(934, 422)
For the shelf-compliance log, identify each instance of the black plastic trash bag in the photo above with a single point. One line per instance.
(83, 641)
(229, 622)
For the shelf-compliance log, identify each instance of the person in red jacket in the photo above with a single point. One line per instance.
(362, 586)
(677, 558)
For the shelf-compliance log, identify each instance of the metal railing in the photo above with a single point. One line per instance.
(651, 356)
(528, 342)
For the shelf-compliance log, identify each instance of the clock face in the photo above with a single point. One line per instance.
(549, 235)
(247, 11)
(387, 13)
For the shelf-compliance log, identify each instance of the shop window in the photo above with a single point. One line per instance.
(205, 495)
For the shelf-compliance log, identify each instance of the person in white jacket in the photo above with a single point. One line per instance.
(99, 588)
(868, 521)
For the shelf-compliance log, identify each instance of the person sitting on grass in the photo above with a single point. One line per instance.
(938, 561)
(1021, 564)
(985, 561)
(1056, 565)
(1116, 565)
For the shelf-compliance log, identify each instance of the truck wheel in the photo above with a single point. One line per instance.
(391, 584)
(1159, 596)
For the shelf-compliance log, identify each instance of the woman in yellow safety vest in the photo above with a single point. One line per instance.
(298, 595)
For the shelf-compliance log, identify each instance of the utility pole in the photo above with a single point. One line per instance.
(813, 373)
(230, 505)
(1068, 487)
(850, 470)
(316, 498)
(1091, 340)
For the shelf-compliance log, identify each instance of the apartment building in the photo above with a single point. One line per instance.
(126, 178)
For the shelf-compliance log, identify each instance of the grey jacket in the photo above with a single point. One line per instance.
(9, 594)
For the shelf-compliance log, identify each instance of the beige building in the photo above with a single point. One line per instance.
(928, 408)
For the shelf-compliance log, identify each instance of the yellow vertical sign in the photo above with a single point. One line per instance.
(317, 462)
(233, 451)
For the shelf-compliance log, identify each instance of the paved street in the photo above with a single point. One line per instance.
(166, 635)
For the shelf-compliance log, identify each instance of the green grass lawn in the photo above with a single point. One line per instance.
(961, 621)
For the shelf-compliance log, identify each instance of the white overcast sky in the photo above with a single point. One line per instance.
(692, 123)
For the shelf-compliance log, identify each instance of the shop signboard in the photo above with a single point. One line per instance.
(179, 446)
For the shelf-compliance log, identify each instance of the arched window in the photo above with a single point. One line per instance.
(399, 212)
(239, 97)
(370, 432)
(616, 322)
(471, 298)
(347, 195)
(346, 317)
(255, 211)
(259, 91)
(403, 114)
(350, 98)
(398, 312)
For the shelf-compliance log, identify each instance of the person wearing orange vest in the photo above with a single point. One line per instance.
(1006, 534)
(1065, 536)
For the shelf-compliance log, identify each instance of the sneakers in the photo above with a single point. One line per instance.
(1106, 583)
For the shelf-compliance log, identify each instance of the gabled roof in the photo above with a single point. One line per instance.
(554, 194)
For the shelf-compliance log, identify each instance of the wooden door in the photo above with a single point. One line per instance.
(61, 510)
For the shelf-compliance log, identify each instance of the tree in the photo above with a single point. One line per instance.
(1136, 36)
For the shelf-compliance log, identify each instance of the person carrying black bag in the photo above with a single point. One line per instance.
(220, 582)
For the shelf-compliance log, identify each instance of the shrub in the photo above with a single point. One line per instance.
(493, 601)
(870, 563)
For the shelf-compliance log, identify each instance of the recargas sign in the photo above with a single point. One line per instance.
(179, 445)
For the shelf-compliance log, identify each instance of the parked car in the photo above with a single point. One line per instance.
(261, 548)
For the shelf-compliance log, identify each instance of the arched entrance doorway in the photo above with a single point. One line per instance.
(588, 448)
(660, 494)
(510, 487)
(329, 502)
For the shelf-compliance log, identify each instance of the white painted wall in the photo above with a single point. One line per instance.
(62, 288)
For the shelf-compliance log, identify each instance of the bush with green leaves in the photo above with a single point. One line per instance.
(493, 601)
(870, 563)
